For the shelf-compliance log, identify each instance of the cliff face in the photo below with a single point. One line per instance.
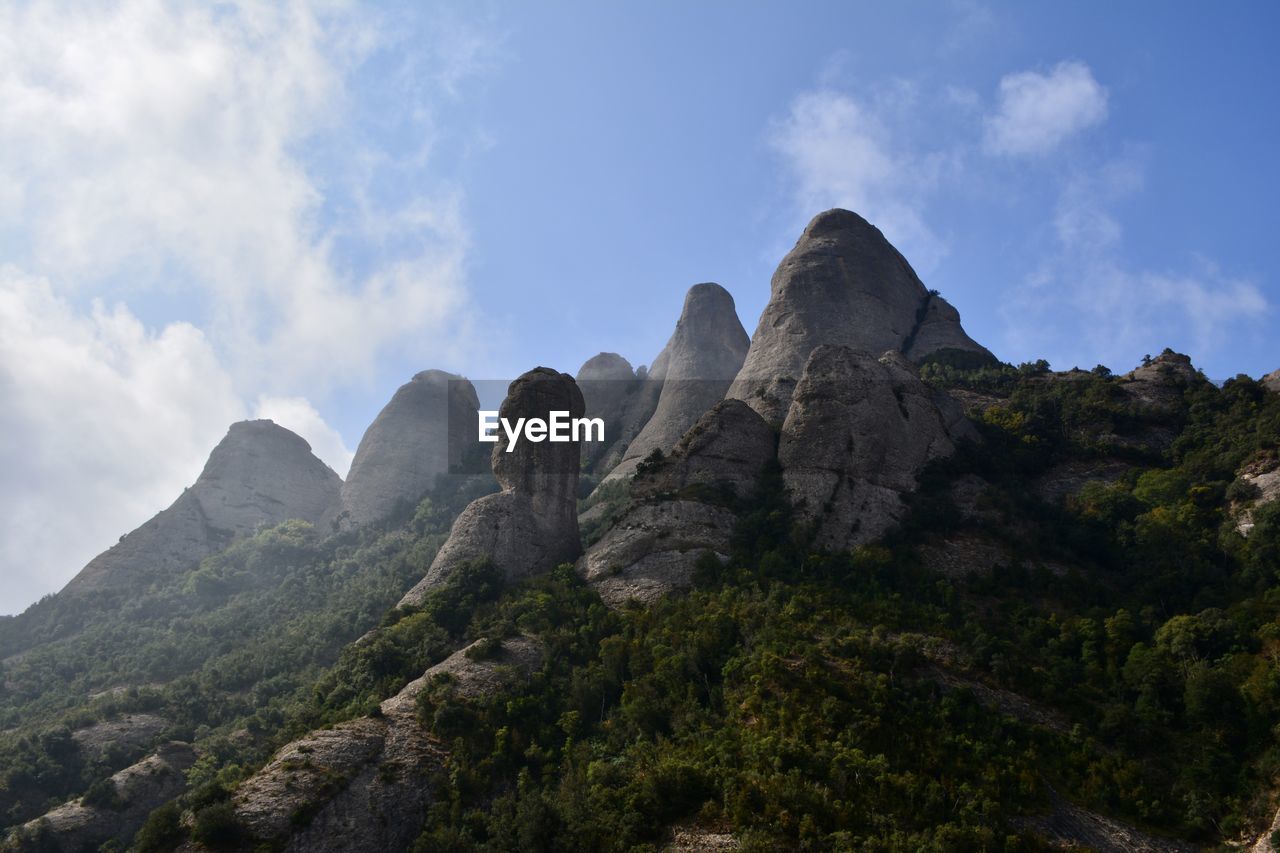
(417, 436)
(694, 370)
(259, 474)
(843, 284)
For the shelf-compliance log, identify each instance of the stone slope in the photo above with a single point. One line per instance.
(857, 433)
(1272, 381)
(532, 524)
(418, 435)
(681, 508)
(695, 369)
(843, 284)
(259, 474)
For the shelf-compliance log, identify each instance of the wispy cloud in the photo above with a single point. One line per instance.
(1086, 303)
(1036, 112)
(842, 151)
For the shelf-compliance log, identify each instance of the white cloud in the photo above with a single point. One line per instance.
(297, 414)
(844, 152)
(104, 423)
(261, 212)
(1038, 112)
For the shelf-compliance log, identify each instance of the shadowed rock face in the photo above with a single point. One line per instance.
(259, 474)
(857, 433)
(532, 524)
(695, 368)
(417, 436)
(680, 510)
(842, 284)
(624, 399)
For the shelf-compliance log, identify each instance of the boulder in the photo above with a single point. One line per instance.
(681, 508)
(857, 433)
(420, 434)
(612, 391)
(532, 524)
(843, 284)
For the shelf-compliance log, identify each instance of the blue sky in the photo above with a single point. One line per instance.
(281, 210)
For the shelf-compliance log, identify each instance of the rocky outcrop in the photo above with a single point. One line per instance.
(118, 812)
(857, 433)
(695, 369)
(623, 398)
(364, 786)
(681, 508)
(260, 474)
(1157, 386)
(532, 524)
(127, 733)
(842, 284)
(1257, 485)
(422, 433)
(1272, 381)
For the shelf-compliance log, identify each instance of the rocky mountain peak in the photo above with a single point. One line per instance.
(1272, 381)
(418, 435)
(843, 284)
(695, 368)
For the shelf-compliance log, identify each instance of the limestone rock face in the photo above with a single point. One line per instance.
(364, 786)
(140, 788)
(418, 435)
(695, 369)
(1272, 381)
(857, 433)
(259, 474)
(532, 524)
(1260, 479)
(681, 508)
(843, 284)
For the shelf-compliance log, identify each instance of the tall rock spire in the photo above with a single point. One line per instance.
(843, 284)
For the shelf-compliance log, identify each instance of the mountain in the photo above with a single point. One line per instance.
(694, 369)
(420, 434)
(260, 474)
(843, 284)
(879, 591)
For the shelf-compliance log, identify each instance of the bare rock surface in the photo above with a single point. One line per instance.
(260, 474)
(614, 392)
(532, 524)
(679, 512)
(857, 434)
(365, 785)
(1272, 381)
(695, 369)
(128, 732)
(1261, 477)
(417, 436)
(139, 788)
(842, 284)
(1070, 827)
(1157, 387)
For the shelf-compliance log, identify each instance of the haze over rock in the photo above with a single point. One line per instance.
(695, 369)
(843, 284)
(624, 398)
(259, 474)
(681, 507)
(532, 524)
(857, 433)
(417, 436)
